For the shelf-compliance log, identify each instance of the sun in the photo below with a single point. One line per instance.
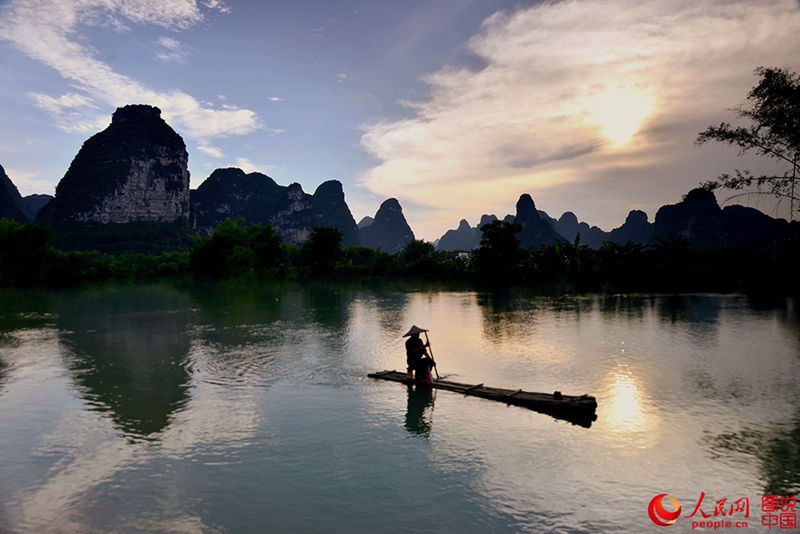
(619, 114)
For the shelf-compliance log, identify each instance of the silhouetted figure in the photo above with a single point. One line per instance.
(417, 359)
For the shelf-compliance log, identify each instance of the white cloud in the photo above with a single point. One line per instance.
(210, 150)
(62, 103)
(571, 92)
(274, 99)
(72, 113)
(218, 5)
(248, 166)
(48, 31)
(170, 50)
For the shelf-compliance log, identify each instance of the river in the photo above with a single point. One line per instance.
(247, 408)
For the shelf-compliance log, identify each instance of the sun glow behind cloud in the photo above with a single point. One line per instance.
(620, 114)
(567, 92)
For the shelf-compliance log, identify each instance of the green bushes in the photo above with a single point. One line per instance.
(240, 251)
(322, 253)
(236, 250)
(25, 258)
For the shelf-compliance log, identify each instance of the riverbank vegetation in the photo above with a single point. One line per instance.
(254, 252)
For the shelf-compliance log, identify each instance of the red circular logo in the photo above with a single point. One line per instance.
(660, 515)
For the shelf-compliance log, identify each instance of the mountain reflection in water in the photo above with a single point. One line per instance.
(128, 354)
(239, 407)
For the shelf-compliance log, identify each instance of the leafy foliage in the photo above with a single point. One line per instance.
(323, 250)
(500, 253)
(773, 109)
(27, 259)
(23, 253)
(143, 237)
(236, 250)
(417, 249)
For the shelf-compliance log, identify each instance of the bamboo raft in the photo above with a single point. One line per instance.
(579, 410)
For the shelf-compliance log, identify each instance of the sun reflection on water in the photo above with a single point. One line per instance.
(624, 408)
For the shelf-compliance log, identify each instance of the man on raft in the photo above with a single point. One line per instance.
(417, 359)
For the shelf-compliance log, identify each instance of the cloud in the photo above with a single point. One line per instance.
(72, 113)
(48, 31)
(170, 50)
(274, 99)
(218, 5)
(568, 93)
(248, 166)
(63, 103)
(210, 150)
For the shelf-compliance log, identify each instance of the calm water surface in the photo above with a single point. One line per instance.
(247, 409)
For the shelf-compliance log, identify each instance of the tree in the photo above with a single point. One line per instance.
(24, 253)
(267, 247)
(323, 250)
(500, 253)
(622, 264)
(235, 249)
(417, 249)
(773, 107)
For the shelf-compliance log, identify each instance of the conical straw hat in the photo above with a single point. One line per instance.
(414, 330)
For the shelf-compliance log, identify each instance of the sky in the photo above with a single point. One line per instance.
(453, 107)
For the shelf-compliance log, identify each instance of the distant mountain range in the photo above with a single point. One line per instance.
(14, 206)
(697, 219)
(132, 179)
(256, 198)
